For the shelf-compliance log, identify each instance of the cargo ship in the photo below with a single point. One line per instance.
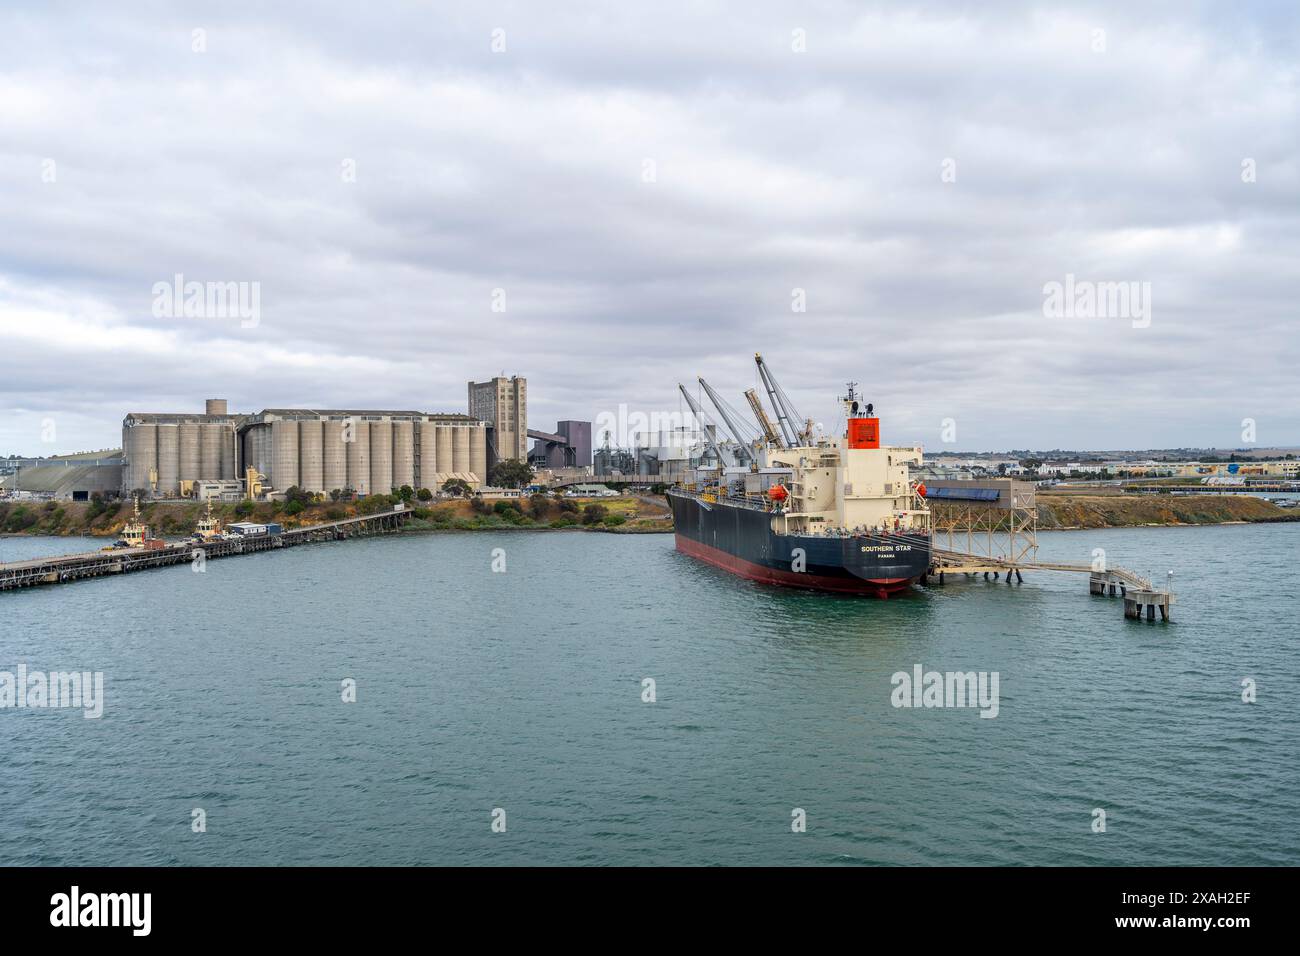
(829, 513)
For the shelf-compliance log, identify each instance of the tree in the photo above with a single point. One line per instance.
(424, 494)
(511, 473)
(456, 487)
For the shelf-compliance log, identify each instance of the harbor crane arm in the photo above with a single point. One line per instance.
(705, 422)
(743, 438)
(786, 415)
(769, 432)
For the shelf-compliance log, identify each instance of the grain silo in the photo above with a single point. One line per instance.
(210, 438)
(478, 452)
(403, 454)
(311, 463)
(187, 435)
(444, 449)
(334, 455)
(428, 455)
(381, 458)
(460, 449)
(169, 462)
(359, 456)
(229, 438)
(284, 454)
(140, 445)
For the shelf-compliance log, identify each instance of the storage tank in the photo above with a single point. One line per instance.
(190, 451)
(140, 443)
(169, 461)
(478, 452)
(284, 454)
(460, 449)
(334, 455)
(257, 449)
(311, 463)
(381, 458)
(443, 441)
(428, 455)
(210, 439)
(229, 438)
(403, 454)
(359, 457)
(215, 406)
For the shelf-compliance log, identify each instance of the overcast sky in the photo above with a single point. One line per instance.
(648, 184)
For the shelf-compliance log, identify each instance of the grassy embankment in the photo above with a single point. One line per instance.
(1136, 511)
(178, 519)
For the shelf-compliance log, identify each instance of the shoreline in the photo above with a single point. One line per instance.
(623, 515)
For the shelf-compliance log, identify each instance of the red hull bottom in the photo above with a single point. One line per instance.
(880, 587)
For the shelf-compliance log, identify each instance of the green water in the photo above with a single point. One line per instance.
(523, 691)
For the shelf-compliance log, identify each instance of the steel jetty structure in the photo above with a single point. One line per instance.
(838, 514)
(76, 567)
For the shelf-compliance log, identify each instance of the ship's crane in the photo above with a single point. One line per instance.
(769, 432)
(705, 422)
(786, 415)
(745, 437)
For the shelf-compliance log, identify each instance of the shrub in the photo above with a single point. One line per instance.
(294, 507)
(613, 521)
(593, 514)
(507, 509)
(568, 507)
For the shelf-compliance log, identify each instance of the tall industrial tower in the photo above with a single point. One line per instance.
(502, 403)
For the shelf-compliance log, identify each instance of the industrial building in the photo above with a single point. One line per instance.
(62, 476)
(503, 404)
(317, 450)
(569, 446)
(371, 452)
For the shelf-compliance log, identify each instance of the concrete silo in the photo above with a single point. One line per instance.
(478, 452)
(210, 438)
(311, 463)
(140, 445)
(334, 455)
(381, 458)
(187, 435)
(428, 455)
(443, 441)
(169, 461)
(229, 440)
(359, 457)
(460, 449)
(284, 454)
(403, 454)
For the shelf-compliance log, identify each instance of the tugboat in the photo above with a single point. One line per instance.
(810, 511)
(208, 528)
(136, 532)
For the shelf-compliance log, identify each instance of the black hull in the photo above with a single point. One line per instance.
(740, 540)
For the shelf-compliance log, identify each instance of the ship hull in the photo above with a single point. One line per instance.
(741, 541)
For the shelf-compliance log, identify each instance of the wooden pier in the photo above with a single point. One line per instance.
(77, 567)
